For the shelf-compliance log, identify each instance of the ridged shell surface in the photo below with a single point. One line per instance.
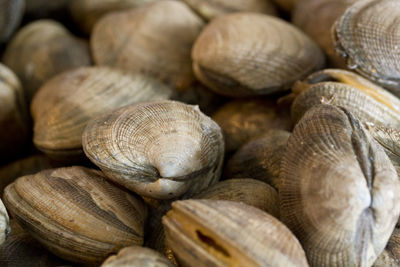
(368, 36)
(11, 12)
(390, 257)
(159, 149)
(64, 105)
(75, 213)
(246, 54)
(338, 189)
(4, 223)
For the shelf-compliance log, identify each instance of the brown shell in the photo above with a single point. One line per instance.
(260, 158)
(215, 8)
(160, 149)
(154, 39)
(338, 189)
(65, 104)
(245, 54)
(137, 256)
(248, 191)
(76, 214)
(87, 12)
(316, 18)
(242, 120)
(365, 100)
(287, 5)
(368, 35)
(11, 12)
(42, 49)
(228, 233)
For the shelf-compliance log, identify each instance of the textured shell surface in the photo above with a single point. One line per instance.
(365, 100)
(338, 189)
(11, 12)
(390, 257)
(368, 36)
(154, 39)
(246, 54)
(228, 233)
(159, 149)
(76, 214)
(137, 256)
(65, 104)
(4, 223)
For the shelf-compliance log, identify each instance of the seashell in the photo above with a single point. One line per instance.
(87, 12)
(316, 18)
(76, 214)
(338, 189)
(235, 61)
(42, 49)
(11, 12)
(4, 223)
(161, 35)
(160, 149)
(365, 100)
(228, 233)
(368, 40)
(260, 158)
(65, 104)
(390, 257)
(287, 5)
(242, 120)
(13, 115)
(248, 191)
(137, 256)
(211, 9)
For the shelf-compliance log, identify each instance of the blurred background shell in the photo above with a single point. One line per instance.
(11, 12)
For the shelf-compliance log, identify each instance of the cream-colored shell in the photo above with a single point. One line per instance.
(4, 223)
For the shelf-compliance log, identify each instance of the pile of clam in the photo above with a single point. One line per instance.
(200, 133)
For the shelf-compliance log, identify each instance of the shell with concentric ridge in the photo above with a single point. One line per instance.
(159, 149)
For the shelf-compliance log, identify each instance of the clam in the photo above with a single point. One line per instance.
(390, 257)
(367, 101)
(248, 191)
(65, 104)
(137, 256)
(154, 39)
(260, 158)
(242, 120)
(4, 223)
(76, 214)
(228, 233)
(215, 8)
(42, 49)
(11, 12)
(338, 189)
(247, 54)
(367, 35)
(159, 149)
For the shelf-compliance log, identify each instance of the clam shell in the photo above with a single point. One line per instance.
(42, 49)
(159, 149)
(367, 36)
(245, 54)
(76, 214)
(4, 223)
(11, 12)
(390, 257)
(64, 105)
(228, 233)
(154, 39)
(338, 189)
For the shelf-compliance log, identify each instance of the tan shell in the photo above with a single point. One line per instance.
(367, 101)
(137, 256)
(87, 12)
(316, 18)
(76, 214)
(242, 120)
(367, 35)
(215, 8)
(160, 149)
(228, 233)
(390, 257)
(42, 49)
(13, 115)
(260, 158)
(248, 191)
(154, 39)
(4, 223)
(11, 12)
(64, 105)
(338, 189)
(245, 54)
(287, 5)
